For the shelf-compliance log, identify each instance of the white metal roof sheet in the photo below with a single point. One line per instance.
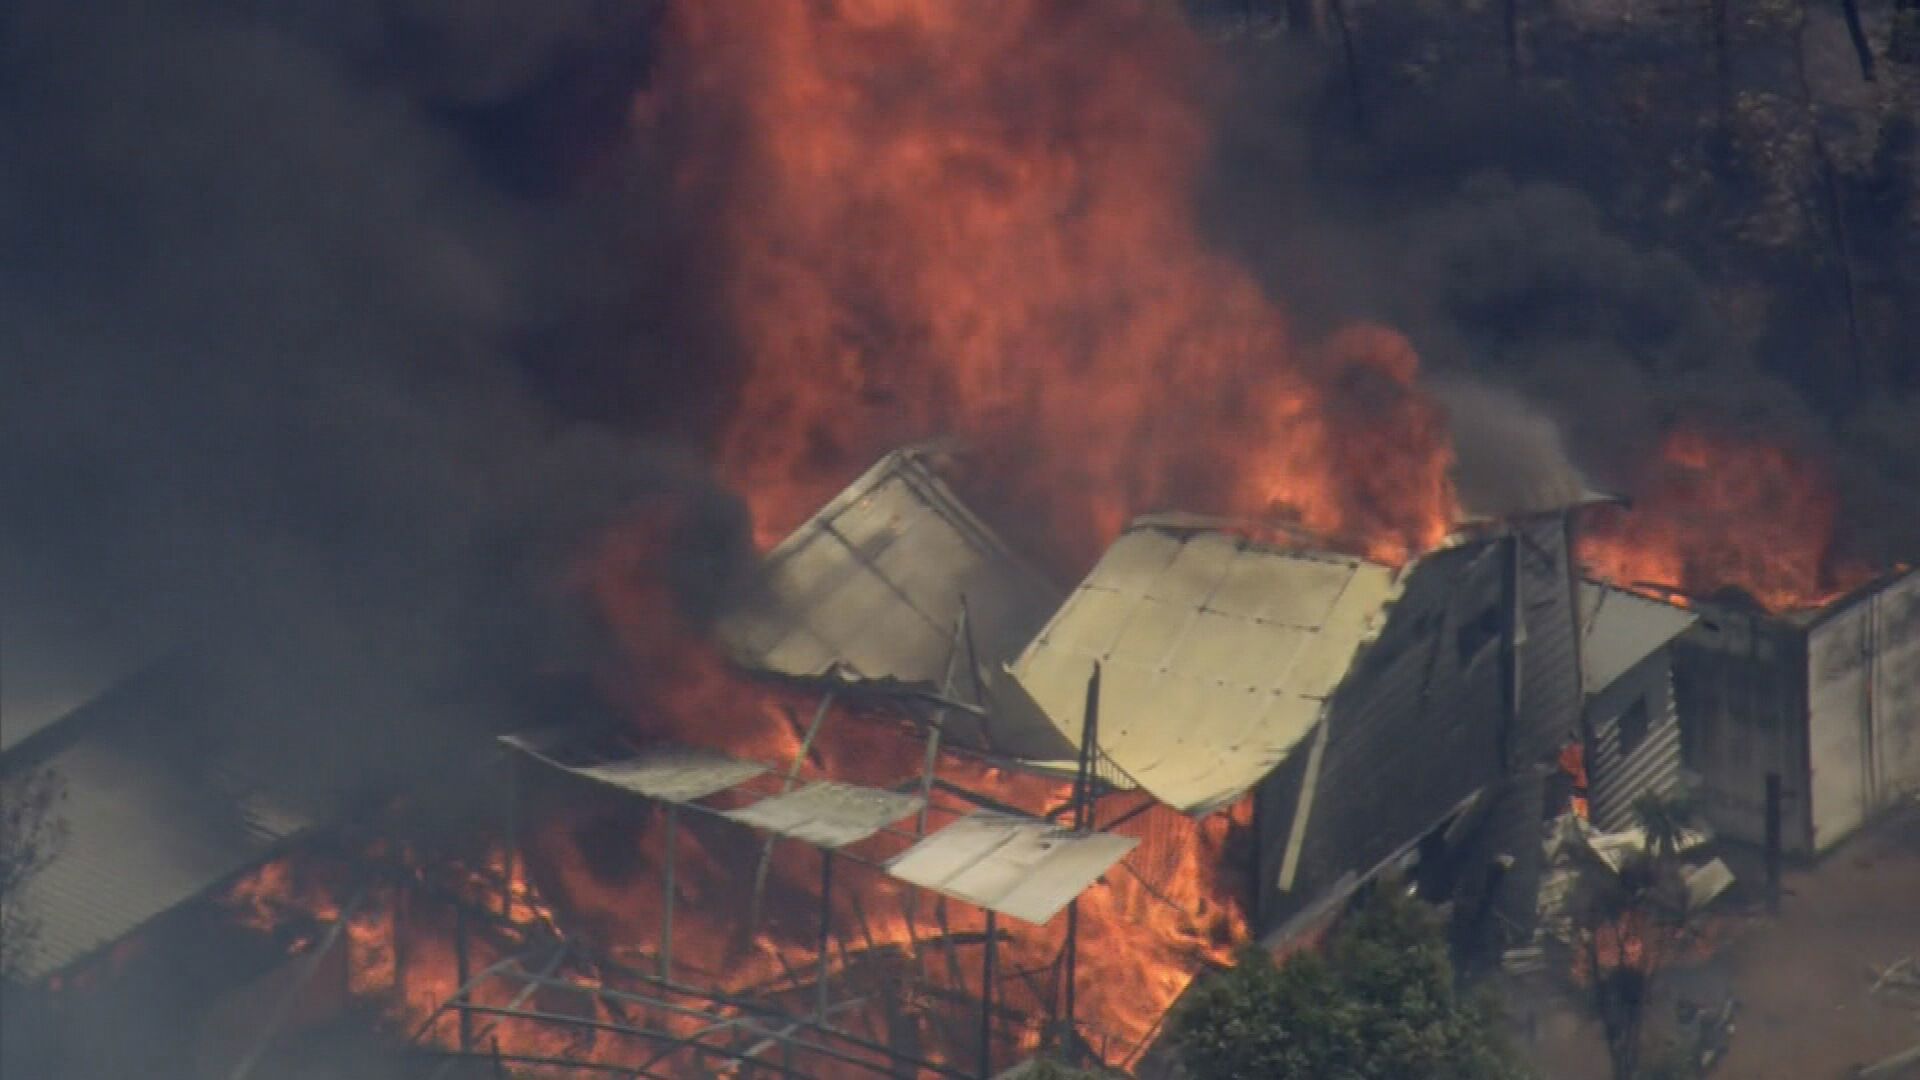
(872, 588)
(828, 814)
(1022, 867)
(669, 773)
(1618, 629)
(1216, 655)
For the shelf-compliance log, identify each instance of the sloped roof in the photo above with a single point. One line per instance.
(50, 667)
(153, 819)
(872, 588)
(1216, 655)
(1618, 629)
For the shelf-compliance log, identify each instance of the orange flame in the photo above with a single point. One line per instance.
(1721, 511)
(977, 220)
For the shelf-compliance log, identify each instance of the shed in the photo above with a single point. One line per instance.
(1828, 699)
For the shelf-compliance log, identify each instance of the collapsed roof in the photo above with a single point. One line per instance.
(895, 582)
(1216, 656)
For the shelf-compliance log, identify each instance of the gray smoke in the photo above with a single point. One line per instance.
(1509, 458)
(1468, 216)
(267, 395)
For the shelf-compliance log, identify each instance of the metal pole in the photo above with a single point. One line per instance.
(1082, 821)
(786, 785)
(986, 996)
(1773, 842)
(512, 861)
(460, 973)
(826, 924)
(666, 919)
(926, 774)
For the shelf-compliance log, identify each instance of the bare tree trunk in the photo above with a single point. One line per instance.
(1303, 18)
(1834, 201)
(1338, 9)
(1861, 47)
(1510, 17)
(1717, 17)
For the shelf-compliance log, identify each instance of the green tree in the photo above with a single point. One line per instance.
(1380, 1002)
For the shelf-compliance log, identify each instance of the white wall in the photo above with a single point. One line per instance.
(1863, 681)
(1837, 692)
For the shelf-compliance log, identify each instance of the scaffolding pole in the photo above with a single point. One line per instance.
(786, 785)
(666, 916)
(1082, 822)
(826, 925)
(986, 995)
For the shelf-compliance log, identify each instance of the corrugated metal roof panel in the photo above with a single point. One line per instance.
(1620, 629)
(669, 773)
(828, 814)
(1215, 654)
(148, 825)
(872, 587)
(1017, 866)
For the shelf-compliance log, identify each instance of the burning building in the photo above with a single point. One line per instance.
(1314, 681)
(1632, 729)
(1813, 704)
(1826, 699)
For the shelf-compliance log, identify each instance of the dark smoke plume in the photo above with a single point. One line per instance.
(1474, 218)
(288, 360)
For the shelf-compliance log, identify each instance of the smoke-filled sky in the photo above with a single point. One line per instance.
(271, 320)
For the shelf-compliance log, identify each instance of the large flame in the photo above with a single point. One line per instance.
(977, 219)
(1722, 511)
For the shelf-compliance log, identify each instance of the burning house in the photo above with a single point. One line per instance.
(1316, 682)
(1811, 708)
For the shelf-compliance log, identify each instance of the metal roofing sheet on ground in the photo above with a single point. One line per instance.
(828, 814)
(872, 588)
(1619, 629)
(1022, 867)
(677, 774)
(1216, 656)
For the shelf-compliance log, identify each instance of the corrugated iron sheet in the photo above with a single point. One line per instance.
(150, 825)
(828, 814)
(1216, 655)
(1620, 775)
(676, 774)
(1017, 866)
(1619, 629)
(872, 588)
